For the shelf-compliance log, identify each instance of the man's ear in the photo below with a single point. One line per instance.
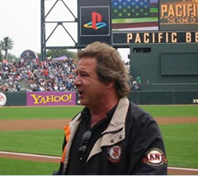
(111, 83)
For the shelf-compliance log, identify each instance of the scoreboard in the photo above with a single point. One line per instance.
(126, 22)
(162, 36)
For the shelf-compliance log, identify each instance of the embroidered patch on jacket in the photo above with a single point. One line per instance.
(155, 157)
(114, 153)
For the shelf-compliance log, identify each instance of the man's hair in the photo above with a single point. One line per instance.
(109, 65)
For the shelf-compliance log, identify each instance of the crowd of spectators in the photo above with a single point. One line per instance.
(48, 75)
(31, 75)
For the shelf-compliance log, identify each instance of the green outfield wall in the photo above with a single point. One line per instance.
(71, 98)
(164, 67)
(15, 98)
(164, 97)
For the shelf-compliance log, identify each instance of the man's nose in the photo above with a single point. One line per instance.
(77, 81)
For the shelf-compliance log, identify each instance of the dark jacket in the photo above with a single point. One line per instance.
(130, 145)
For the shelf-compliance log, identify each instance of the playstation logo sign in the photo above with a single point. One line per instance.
(95, 21)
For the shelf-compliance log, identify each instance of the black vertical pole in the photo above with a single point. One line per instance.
(43, 43)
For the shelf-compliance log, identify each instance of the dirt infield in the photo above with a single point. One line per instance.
(13, 125)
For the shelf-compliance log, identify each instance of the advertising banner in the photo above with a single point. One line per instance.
(178, 15)
(154, 21)
(94, 21)
(51, 98)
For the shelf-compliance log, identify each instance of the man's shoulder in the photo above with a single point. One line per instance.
(137, 113)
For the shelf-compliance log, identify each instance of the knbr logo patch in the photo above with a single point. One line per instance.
(3, 99)
(94, 21)
(155, 157)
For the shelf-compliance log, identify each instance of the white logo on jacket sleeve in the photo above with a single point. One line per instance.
(155, 157)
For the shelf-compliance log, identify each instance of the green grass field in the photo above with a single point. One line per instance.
(38, 112)
(181, 140)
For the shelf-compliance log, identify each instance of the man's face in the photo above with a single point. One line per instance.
(90, 89)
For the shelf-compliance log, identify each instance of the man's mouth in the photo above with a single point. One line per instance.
(80, 93)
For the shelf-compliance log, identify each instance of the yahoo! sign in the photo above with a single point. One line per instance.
(51, 98)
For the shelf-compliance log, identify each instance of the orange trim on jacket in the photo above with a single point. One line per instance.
(67, 134)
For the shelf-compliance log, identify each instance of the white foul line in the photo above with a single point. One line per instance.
(31, 155)
(56, 157)
(184, 169)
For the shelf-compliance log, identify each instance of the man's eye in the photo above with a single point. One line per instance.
(84, 75)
